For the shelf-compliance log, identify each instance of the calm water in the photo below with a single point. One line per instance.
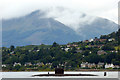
(60, 79)
(29, 75)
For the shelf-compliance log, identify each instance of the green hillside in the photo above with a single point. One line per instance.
(96, 53)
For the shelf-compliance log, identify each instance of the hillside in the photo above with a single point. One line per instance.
(99, 53)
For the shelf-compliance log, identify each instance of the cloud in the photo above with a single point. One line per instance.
(102, 8)
(69, 17)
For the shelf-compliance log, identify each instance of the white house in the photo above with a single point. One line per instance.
(112, 39)
(66, 49)
(15, 64)
(38, 50)
(84, 64)
(12, 52)
(109, 66)
(3, 65)
(91, 40)
(48, 64)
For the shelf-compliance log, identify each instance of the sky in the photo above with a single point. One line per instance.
(66, 11)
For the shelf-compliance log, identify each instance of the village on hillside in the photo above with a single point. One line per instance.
(97, 53)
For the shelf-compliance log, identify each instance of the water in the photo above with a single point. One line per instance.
(110, 74)
(60, 79)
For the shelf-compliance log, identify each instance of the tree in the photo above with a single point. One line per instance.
(35, 48)
(12, 48)
(73, 50)
(109, 57)
(55, 44)
(86, 53)
(93, 58)
(108, 47)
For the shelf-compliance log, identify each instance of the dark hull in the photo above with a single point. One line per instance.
(64, 75)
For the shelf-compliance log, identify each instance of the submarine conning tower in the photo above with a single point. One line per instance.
(59, 71)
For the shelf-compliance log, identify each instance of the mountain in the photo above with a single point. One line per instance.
(35, 29)
(99, 26)
(32, 29)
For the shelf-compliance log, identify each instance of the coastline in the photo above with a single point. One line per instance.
(84, 70)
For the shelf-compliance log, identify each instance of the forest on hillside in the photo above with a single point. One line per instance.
(71, 56)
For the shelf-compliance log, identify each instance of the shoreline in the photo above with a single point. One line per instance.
(84, 70)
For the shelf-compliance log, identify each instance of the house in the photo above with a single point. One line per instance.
(86, 41)
(66, 49)
(90, 52)
(116, 66)
(28, 64)
(48, 64)
(72, 45)
(16, 64)
(100, 52)
(79, 51)
(29, 50)
(38, 50)
(12, 52)
(78, 48)
(91, 40)
(68, 45)
(84, 64)
(100, 65)
(88, 65)
(114, 51)
(99, 46)
(112, 39)
(62, 48)
(96, 39)
(4, 65)
(102, 40)
(91, 65)
(40, 64)
(109, 66)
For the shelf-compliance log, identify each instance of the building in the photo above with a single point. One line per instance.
(86, 41)
(16, 64)
(12, 52)
(28, 64)
(91, 65)
(100, 65)
(66, 49)
(91, 40)
(4, 65)
(72, 45)
(100, 52)
(37, 50)
(48, 64)
(88, 65)
(68, 45)
(102, 40)
(109, 66)
(79, 51)
(116, 66)
(40, 64)
(112, 39)
(84, 64)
